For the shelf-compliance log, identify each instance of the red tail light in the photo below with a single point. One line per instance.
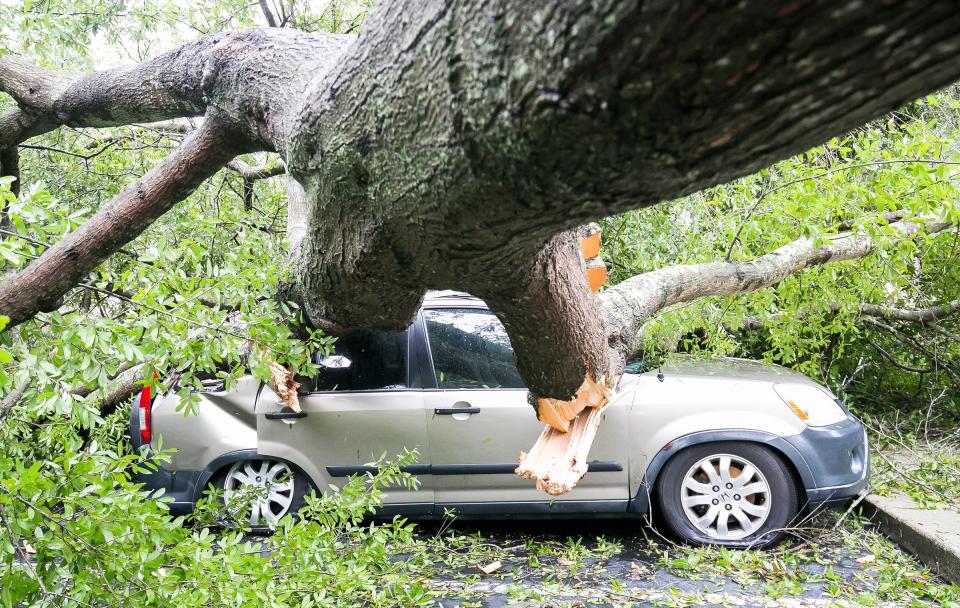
(145, 434)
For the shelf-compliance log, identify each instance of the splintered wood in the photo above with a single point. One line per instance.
(559, 414)
(285, 386)
(558, 460)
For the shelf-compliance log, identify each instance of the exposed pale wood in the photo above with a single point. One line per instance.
(559, 460)
(285, 386)
(490, 568)
(560, 413)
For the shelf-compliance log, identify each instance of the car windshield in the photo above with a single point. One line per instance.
(470, 349)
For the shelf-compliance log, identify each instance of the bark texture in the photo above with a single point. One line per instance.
(452, 141)
(461, 136)
(922, 315)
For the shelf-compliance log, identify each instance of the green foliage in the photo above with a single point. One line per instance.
(887, 576)
(910, 460)
(84, 534)
(195, 293)
(905, 163)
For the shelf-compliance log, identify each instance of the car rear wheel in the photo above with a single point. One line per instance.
(727, 493)
(261, 492)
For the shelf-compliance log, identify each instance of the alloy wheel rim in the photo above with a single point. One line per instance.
(725, 496)
(271, 483)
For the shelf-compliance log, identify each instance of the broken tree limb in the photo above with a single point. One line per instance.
(60, 268)
(559, 460)
(559, 414)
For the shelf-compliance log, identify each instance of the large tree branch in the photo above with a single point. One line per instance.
(631, 303)
(246, 82)
(40, 285)
(249, 79)
(169, 86)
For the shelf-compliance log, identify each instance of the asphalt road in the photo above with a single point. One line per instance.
(619, 563)
(832, 568)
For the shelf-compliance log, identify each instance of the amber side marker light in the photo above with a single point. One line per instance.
(799, 411)
(820, 407)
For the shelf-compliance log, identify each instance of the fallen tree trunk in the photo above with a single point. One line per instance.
(457, 144)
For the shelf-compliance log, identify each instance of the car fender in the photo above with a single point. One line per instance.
(223, 460)
(224, 423)
(315, 474)
(640, 503)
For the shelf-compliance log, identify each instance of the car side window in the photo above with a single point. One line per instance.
(365, 360)
(470, 349)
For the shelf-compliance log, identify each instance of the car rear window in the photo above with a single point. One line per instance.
(470, 349)
(365, 360)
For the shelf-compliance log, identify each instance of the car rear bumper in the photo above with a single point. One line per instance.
(179, 485)
(837, 458)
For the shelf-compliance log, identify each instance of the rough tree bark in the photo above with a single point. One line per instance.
(455, 144)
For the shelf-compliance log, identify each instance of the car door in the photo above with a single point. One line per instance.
(479, 420)
(362, 405)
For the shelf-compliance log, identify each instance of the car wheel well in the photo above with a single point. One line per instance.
(218, 469)
(697, 522)
(776, 451)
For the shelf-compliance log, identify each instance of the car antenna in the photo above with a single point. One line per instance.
(660, 373)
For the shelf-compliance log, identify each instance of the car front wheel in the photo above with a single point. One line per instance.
(727, 493)
(260, 492)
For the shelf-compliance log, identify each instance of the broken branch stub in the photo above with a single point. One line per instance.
(559, 460)
(285, 386)
(559, 414)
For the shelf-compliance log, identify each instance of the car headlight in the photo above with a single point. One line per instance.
(810, 403)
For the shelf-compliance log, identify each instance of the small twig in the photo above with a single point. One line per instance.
(113, 294)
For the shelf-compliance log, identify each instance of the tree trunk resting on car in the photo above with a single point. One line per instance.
(457, 144)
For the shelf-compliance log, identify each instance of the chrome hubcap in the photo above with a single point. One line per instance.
(269, 482)
(726, 497)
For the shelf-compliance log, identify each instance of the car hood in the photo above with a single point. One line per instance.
(729, 367)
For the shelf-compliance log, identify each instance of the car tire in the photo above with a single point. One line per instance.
(704, 499)
(284, 489)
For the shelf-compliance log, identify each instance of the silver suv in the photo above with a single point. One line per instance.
(728, 451)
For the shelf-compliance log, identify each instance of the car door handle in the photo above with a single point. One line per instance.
(450, 411)
(284, 415)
